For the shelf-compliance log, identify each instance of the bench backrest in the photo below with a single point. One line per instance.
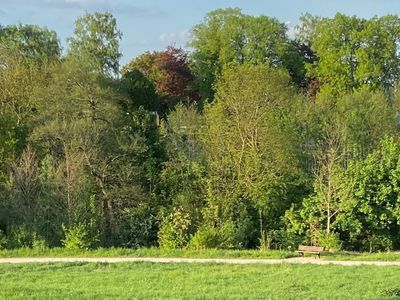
(311, 248)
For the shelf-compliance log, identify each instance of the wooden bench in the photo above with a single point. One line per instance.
(310, 249)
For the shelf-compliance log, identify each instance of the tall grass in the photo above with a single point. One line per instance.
(144, 252)
(207, 253)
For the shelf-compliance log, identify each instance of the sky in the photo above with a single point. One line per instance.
(154, 24)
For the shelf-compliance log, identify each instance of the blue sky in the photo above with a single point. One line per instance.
(154, 24)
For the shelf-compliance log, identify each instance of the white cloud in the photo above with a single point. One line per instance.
(178, 37)
(84, 2)
(291, 29)
(94, 5)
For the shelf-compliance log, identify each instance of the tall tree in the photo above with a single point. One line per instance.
(370, 193)
(19, 78)
(250, 149)
(75, 113)
(183, 174)
(141, 92)
(341, 130)
(227, 35)
(355, 53)
(170, 73)
(97, 35)
(31, 41)
(305, 33)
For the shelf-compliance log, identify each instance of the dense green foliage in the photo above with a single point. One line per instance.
(229, 36)
(251, 140)
(355, 53)
(182, 281)
(169, 71)
(97, 35)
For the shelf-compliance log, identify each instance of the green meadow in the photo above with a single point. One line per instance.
(196, 281)
(187, 253)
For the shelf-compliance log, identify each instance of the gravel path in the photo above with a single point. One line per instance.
(296, 260)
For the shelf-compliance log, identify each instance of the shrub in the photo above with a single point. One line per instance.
(78, 237)
(222, 237)
(330, 241)
(205, 237)
(3, 240)
(174, 230)
(39, 243)
(136, 227)
(228, 236)
(280, 240)
(20, 236)
(378, 243)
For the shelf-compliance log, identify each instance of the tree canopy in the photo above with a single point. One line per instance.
(97, 35)
(252, 138)
(355, 53)
(229, 36)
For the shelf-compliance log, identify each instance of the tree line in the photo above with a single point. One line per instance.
(253, 139)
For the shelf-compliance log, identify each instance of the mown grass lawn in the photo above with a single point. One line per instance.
(198, 281)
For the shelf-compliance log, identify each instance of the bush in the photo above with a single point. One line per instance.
(78, 237)
(39, 243)
(205, 237)
(223, 237)
(280, 240)
(136, 227)
(378, 243)
(330, 241)
(3, 240)
(20, 236)
(174, 230)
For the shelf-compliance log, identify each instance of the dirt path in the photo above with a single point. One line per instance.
(194, 260)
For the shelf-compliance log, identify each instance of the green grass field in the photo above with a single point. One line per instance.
(209, 253)
(145, 252)
(379, 256)
(196, 281)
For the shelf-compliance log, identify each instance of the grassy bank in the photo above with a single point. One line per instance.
(145, 252)
(209, 253)
(147, 280)
(379, 256)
